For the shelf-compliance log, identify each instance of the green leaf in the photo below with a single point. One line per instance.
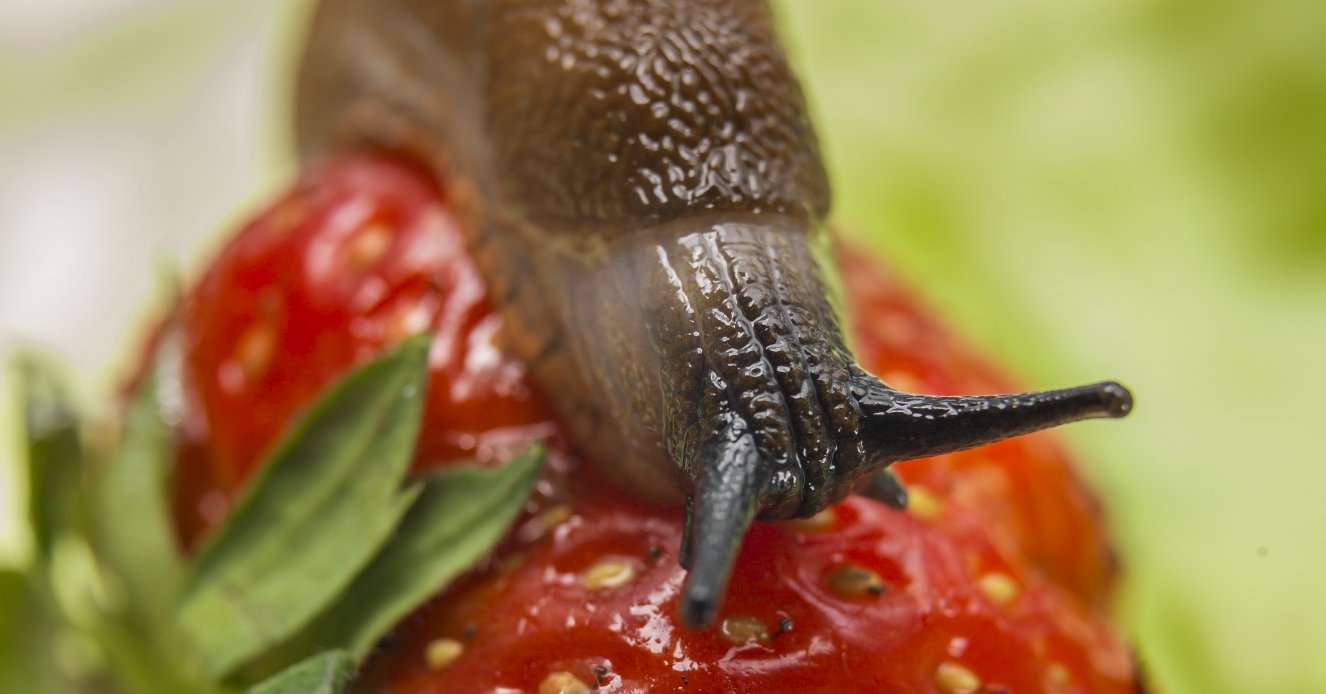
(55, 454)
(93, 616)
(27, 633)
(323, 505)
(459, 517)
(325, 673)
(133, 526)
(133, 537)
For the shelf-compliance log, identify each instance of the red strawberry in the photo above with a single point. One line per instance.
(862, 599)
(356, 257)
(990, 584)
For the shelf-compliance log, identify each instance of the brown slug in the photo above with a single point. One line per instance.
(639, 181)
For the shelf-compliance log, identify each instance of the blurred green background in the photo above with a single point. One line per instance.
(1100, 189)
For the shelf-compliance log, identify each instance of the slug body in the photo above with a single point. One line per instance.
(639, 181)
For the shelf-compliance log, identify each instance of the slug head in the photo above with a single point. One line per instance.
(733, 484)
(768, 415)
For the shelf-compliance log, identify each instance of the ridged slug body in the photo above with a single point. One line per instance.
(639, 181)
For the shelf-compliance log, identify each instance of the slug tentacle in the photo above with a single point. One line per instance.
(902, 426)
(885, 488)
(724, 505)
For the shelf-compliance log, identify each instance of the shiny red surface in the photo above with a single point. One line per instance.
(534, 616)
(357, 256)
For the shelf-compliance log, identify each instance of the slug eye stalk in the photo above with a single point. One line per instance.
(733, 485)
(730, 492)
(902, 426)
